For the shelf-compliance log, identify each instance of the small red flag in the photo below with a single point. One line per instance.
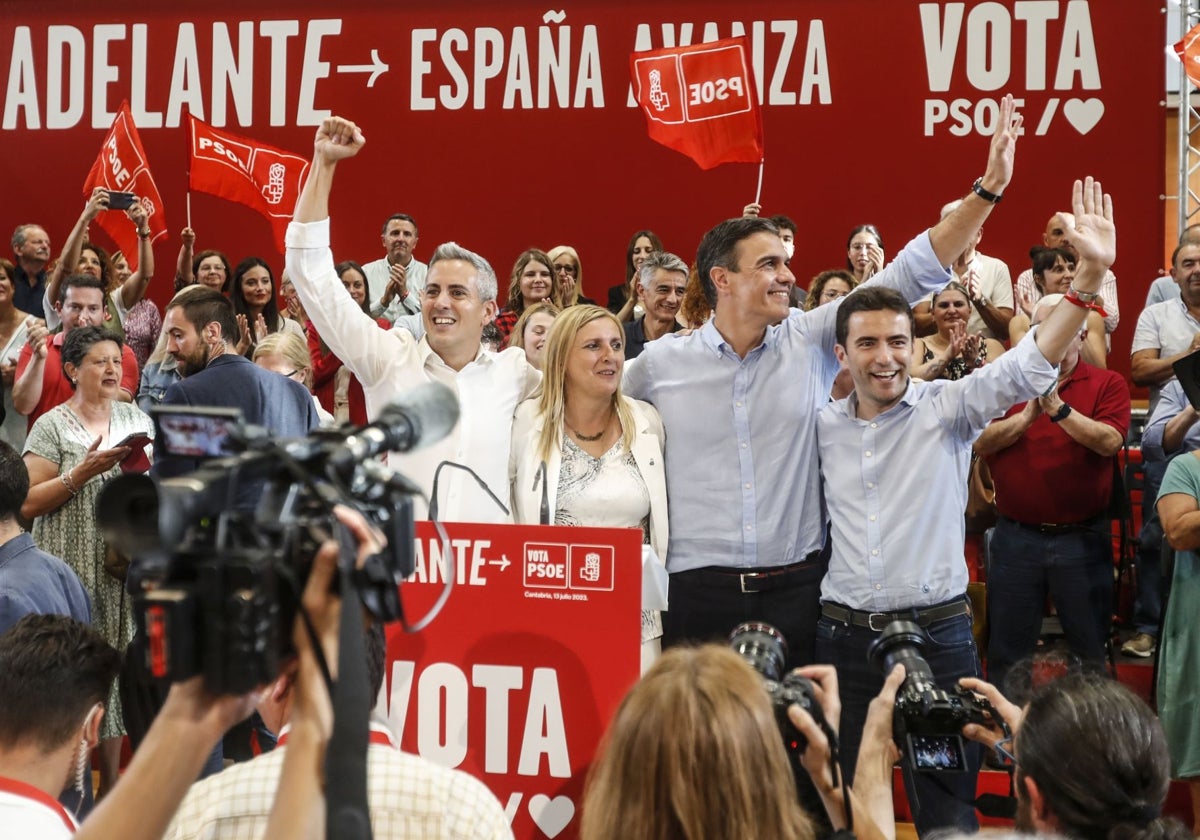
(1188, 50)
(701, 100)
(122, 166)
(262, 177)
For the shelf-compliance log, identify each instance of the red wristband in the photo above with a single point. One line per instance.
(1074, 298)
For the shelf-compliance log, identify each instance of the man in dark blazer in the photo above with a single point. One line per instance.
(202, 332)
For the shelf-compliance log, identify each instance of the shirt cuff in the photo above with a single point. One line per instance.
(307, 234)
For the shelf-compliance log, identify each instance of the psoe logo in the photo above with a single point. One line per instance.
(545, 565)
(592, 567)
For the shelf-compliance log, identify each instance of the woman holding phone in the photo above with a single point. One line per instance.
(71, 452)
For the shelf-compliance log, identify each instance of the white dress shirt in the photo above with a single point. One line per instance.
(390, 363)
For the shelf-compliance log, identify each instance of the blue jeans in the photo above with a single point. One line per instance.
(951, 654)
(1075, 568)
(1147, 606)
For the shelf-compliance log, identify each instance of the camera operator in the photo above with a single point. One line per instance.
(1090, 760)
(193, 720)
(696, 750)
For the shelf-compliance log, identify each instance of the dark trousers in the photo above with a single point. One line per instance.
(1075, 568)
(1147, 606)
(951, 654)
(708, 603)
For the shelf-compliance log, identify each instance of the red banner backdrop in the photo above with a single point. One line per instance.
(516, 679)
(508, 125)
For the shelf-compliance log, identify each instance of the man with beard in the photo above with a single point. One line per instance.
(1089, 756)
(202, 334)
(661, 283)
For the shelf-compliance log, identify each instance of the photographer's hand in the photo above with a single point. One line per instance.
(1010, 713)
(877, 753)
(299, 809)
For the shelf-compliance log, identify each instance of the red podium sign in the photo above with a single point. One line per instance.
(517, 678)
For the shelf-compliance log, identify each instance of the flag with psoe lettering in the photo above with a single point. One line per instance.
(701, 100)
(122, 166)
(240, 169)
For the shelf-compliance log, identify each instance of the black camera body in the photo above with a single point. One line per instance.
(765, 649)
(223, 553)
(927, 721)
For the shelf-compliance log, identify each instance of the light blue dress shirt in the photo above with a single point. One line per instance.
(741, 451)
(896, 485)
(1171, 402)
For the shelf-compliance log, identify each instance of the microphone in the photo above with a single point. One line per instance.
(544, 510)
(424, 415)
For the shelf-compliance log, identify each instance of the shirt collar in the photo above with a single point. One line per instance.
(712, 338)
(910, 397)
(426, 353)
(21, 542)
(26, 791)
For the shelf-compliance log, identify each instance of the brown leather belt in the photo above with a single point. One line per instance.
(876, 621)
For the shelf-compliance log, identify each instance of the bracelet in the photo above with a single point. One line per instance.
(978, 189)
(65, 478)
(143, 234)
(1084, 300)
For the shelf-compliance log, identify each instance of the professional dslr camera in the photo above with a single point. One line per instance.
(765, 649)
(222, 554)
(928, 720)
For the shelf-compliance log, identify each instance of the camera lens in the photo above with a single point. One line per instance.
(762, 646)
(901, 642)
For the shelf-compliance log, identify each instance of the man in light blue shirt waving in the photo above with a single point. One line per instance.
(894, 459)
(739, 399)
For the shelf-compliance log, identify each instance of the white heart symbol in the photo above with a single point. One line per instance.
(551, 815)
(1083, 113)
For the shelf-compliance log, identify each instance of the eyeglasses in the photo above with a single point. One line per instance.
(569, 269)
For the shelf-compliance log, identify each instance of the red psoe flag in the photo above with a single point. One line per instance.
(701, 100)
(1188, 50)
(239, 169)
(122, 166)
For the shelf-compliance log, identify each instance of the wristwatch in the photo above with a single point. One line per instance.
(1062, 414)
(983, 300)
(978, 189)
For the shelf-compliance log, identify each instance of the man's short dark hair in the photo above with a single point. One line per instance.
(401, 217)
(52, 670)
(869, 299)
(203, 307)
(14, 482)
(719, 247)
(1119, 770)
(1183, 243)
(784, 223)
(79, 281)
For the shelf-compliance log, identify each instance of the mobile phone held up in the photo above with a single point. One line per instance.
(120, 200)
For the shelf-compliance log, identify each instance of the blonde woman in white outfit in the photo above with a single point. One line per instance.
(603, 451)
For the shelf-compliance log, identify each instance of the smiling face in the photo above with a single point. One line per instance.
(534, 340)
(256, 287)
(89, 263)
(756, 293)
(536, 281)
(211, 273)
(99, 373)
(452, 310)
(596, 358)
(664, 295)
(1057, 279)
(121, 268)
(642, 248)
(950, 306)
(355, 284)
(877, 353)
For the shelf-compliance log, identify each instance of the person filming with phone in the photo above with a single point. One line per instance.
(71, 452)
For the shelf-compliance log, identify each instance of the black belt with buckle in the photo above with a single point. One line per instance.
(876, 621)
(1099, 522)
(752, 581)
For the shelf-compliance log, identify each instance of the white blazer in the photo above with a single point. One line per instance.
(524, 467)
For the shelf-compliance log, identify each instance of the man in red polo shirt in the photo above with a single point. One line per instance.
(40, 383)
(1052, 463)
